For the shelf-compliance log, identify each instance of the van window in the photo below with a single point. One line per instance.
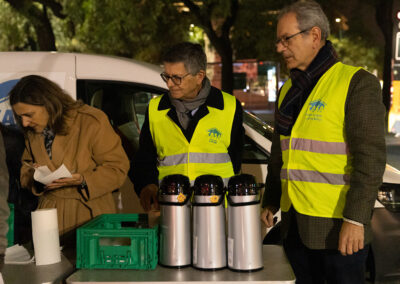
(124, 103)
(253, 154)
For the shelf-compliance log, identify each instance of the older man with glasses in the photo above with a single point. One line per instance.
(328, 153)
(193, 130)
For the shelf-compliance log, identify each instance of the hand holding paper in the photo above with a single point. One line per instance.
(75, 179)
(44, 175)
(59, 178)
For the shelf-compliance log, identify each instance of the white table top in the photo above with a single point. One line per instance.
(276, 270)
(33, 274)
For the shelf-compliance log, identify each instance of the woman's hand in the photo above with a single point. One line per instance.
(76, 179)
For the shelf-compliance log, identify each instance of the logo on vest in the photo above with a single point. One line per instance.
(315, 110)
(214, 135)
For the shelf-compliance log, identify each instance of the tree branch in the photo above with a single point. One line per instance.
(40, 21)
(230, 20)
(204, 22)
(55, 7)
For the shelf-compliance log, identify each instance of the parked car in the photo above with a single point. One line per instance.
(122, 88)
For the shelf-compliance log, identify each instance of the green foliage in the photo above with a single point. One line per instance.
(218, 9)
(196, 34)
(357, 52)
(361, 41)
(254, 33)
(15, 30)
(139, 29)
(142, 29)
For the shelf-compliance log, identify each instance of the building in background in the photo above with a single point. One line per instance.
(255, 82)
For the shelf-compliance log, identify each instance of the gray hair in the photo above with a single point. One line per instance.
(191, 54)
(308, 14)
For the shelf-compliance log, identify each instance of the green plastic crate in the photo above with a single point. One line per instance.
(117, 241)
(10, 233)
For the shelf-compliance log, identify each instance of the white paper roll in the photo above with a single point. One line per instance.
(46, 240)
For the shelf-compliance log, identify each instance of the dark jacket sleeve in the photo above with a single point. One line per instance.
(14, 144)
(145, 162)
(235, 149)
(273, 190)
(364, 130)
(4, 209)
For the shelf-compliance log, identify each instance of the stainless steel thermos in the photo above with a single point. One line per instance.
(244, 227)
(209, 239)
(174, 198)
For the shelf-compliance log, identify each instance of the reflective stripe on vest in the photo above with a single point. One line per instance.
(314, 176)
(316, 162)
(210, 158)
(207, 152)
(309, 145)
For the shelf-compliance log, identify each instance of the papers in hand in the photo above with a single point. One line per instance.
(44, 175)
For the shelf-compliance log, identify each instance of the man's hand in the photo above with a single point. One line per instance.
(267, 216)
(76, 179)
(147, 195)
(351, 238)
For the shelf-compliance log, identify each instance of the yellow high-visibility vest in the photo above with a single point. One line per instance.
(316, 163)
(207, 152)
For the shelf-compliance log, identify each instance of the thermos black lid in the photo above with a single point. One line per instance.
(243, 184)
(208, 185)
(174, 185)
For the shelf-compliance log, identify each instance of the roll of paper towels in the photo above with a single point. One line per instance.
(46, 240)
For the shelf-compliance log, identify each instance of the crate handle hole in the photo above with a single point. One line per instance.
(141, 224)
(115, 242)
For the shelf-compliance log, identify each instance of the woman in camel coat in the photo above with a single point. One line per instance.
(60, 131)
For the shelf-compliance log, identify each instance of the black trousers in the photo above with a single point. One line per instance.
(312, 266)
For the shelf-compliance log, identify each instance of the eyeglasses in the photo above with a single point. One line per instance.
(175, 78)
(285, 39)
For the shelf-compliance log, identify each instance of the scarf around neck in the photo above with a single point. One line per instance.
(303, 83)
(48, 140)
(185, 109)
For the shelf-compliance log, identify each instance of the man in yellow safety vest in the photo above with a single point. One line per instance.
(193, 130)
(328, 153)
